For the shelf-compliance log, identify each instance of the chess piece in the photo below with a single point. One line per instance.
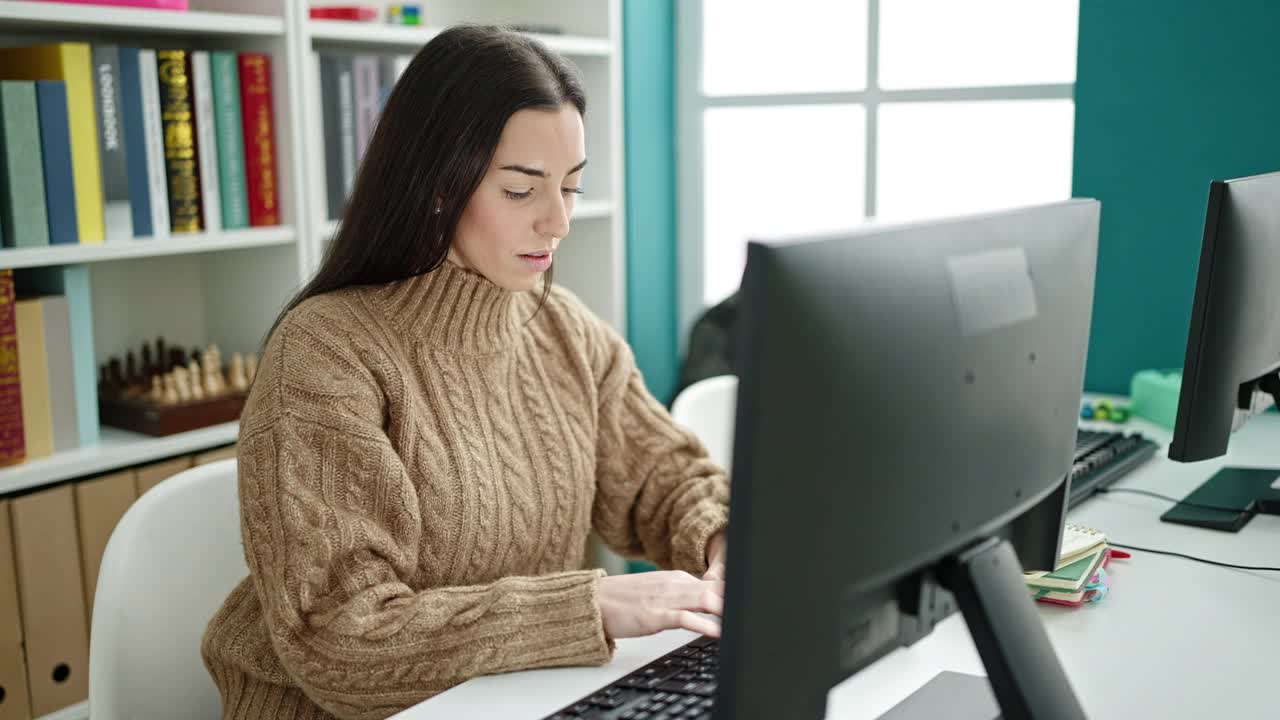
(170, 389)
(157, 390)
(251, 367)
(213, 368)
(131, 375)
(162, 359)
(115, 375)
(238, 381)
(193, 379)
(182, 383)
(146, 368)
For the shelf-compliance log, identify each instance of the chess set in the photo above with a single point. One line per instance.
(162, 391)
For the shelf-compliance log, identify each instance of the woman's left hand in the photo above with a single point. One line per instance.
(716, 549)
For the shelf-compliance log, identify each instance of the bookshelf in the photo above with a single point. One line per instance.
(227, 286)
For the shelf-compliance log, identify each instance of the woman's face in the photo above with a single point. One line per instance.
(520, 212)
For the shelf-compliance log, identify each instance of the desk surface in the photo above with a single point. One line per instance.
(1173, 639)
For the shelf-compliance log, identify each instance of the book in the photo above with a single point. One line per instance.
(206, 142)
(1097, 587)
(177, 117)
(259, 139)
(338, 117)
(117, 211)
(1070, 577)
(364, 75)
(55, 152)
(62, 390)
(157, 176)
(134, 124)
(225, 74)
(72, 282)
(33, 368)
(22, 203)
(12, 447)
(69, 62)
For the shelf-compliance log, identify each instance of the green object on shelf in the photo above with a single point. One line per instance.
(1154, 395)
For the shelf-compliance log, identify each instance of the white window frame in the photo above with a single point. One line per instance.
(691, 103)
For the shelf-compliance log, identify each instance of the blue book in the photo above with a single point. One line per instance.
(135, 141)
(55, 141)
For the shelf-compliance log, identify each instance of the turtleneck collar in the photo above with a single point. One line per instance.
(451, 308)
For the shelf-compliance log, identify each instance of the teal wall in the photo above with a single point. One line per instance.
(648, 39)
(1169, 95)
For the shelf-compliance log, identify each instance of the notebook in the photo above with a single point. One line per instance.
(1070, 577)
(1077, 542)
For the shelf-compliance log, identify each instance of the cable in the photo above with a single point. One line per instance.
(1158, 496)
(1197, 559)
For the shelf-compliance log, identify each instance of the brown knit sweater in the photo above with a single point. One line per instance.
(420, 465)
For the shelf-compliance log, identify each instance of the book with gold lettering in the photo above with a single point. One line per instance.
(178, 122)
(12, 446)
(259, 139)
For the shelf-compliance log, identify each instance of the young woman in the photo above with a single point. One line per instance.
(435, 428)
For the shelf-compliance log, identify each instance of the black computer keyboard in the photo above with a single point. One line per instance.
(1102, 457)
(682, 684)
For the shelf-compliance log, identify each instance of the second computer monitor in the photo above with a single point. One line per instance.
(907, 413)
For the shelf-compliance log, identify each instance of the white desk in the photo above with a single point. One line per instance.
(1173, 639)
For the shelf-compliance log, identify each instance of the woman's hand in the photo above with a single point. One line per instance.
(650, 602)
(717, 546)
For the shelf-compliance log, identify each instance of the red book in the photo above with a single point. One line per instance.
(259, 139)
(345, 12)
(13, 446)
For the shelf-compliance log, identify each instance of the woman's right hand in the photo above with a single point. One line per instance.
(649, 602)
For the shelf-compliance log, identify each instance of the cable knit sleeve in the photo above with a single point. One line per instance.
(658, 493)
(332, 531)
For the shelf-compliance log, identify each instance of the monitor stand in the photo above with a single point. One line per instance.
(1252, 490)
(1023, 672)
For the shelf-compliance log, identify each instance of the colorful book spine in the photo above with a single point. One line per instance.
(177, 114)
(157, 177)
(112, 149)
(259, 139)
(22, 203)
(55, 151)
(135, 139)
(206, 142)
(225, 75)
(71, 63)
(12, 446)
(364, 70)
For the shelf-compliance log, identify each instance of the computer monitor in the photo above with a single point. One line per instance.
(906, 419)
(1232, 366)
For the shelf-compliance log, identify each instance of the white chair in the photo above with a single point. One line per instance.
(171, 561)
(707, 407)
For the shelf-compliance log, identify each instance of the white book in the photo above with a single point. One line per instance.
(206, 142)
(157, 179)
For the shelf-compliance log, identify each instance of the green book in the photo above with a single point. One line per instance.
(234, 190)
(1070, 577)
(22, 208)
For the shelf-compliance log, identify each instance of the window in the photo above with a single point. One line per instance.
(814, 115)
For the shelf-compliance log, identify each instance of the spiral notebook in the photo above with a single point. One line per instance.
(1077, 542)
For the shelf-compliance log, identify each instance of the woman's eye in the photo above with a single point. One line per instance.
(517, 195)
(573, 191)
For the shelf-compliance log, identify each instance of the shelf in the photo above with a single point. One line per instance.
(79, 711)
(141, 248)
(411, 37)
(116, 449)
(99, 18)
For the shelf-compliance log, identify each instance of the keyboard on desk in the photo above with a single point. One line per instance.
(682, 684)
(678, 685)
(1102, 457)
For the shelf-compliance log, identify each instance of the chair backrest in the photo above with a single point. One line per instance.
(171, 561)
(707, 408)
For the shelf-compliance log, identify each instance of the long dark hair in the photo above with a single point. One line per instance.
(433, 143)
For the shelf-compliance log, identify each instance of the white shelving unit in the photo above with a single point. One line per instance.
(227, 287)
